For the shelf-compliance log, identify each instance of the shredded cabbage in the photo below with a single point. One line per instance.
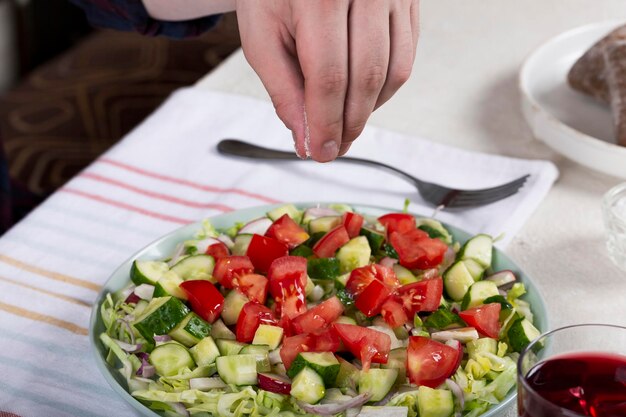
(406, 399)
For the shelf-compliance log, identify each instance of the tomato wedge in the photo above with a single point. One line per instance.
(416, 250)
(393, 312)
(397, 222)
(254, 286)
(331, 241)
(206, 300)
(421, 296)
(353, 223)
(287, 276)
(228, 268)
(319, 317)
(217, 250)
(263, 250)
(485, 318)
(293, 345)
(326, 341)
(251, 317)
(372, 298)
(368, 345)
(360, 278)
(429, 362)
(287, 231)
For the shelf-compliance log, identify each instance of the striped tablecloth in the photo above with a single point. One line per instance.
(165, 174)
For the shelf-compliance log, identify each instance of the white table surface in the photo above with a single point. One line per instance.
(463, 92)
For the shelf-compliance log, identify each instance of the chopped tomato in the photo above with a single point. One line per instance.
(206, 300)
(429, 362)
(293, 345)
(393, 312)
(217, 250)
(485, 318)
(372, 298)
(353, 223)
(421, 296)
(251, 317)
(287, 276)
(287, 231)
(319, 317)
(416, 250)
(326, 341)
(397, 222)
(330, 242)
(228, 268)
(368, 345)
(254, 286)
(360, 278)
(263, 250)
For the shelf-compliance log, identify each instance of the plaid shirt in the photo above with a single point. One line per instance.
(131, 15)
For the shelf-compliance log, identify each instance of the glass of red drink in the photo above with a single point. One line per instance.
(574, 371)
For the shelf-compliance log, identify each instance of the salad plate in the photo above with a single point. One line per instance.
(163, 248)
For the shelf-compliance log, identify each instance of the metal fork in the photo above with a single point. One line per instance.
(436, 194)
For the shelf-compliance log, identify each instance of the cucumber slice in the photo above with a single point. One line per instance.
(482, 345)
(288, 209)
(521, 333)
(354, 254)
(220, 331)
(195, 267)
(442, 319)
(302, 250)
(170, 359)
(229, 347)
(404, 275)
(374, 238)
(324, 224)
(241, 244)
(323, 268)
(477, 293)
(233, 304)
(378, 382)
(237, 369)
(169, 284)
(397, 361)
(147, 272)
(190, 330)
(261, 353)
(348, 375)
(161, 316)
(268, 335)
(324, 363)
(205, 352)
(341, 281)
(308, 386)
(475, 269)
(457, 280)
(434, 402)
(435, 230)
(479, 248)
(345, 320)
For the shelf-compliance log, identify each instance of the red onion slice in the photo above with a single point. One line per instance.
(128, 347)
(457, 391)
(274, 383)
(146, 370)
(144, 291)
(388, 262)
(317, 212)
(180, 250)
(225, 239)
(204, 244)
(335, 408)
(502, 278)
(256, 226)
(162, 338)
(128, 328)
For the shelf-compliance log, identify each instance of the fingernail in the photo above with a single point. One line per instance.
(329, 151)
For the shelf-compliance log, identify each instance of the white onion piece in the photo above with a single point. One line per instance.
(502, 278)
(162, 338)
(317, 293)
(144, 291)
(388, 262)
(464, 335)
(205, 384)
(203, 245)
(457, 391)
(448, 258)
(128, 347)
(256, 226)
(178, 252)
(179, 408)
(336, 408)
(317, 212)
(225, 239)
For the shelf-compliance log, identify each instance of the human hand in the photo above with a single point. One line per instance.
(328, 64)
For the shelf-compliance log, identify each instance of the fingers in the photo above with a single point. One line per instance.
(368, 60)
(403, 32)
(322, 40)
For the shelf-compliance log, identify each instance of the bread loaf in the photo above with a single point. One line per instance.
(614, 58)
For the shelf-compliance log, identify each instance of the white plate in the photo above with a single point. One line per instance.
(569, 122)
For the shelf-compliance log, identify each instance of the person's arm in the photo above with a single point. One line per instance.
(179, 10)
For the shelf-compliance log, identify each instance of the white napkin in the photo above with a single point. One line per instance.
(166, 173)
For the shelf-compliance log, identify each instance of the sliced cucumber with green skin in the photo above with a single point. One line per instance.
(261, 353)
(475, 269)
(397, 361)
(374, 238)
(479, 248)
(457, 280)
(160, 316)
(220, 331)
(312, 240)
(378, 382)
(268, 335)
(348, 375)
(288, 209)
(147, 272)
(500, 300)
(324, 268)
(324, 363)
(170, 359)
(229, 347)
(354, 254)
(341, 281)
(233, 304)
(205, 351)
(388, 250)
(241, 244)
(302, 250)
(324, 224)
(435, 230)
(345, 320)
(308, 386)
(169, 284)
(482, 345)
(521, 333)
(190, 330)
(443, 318)
(434, 402)
(404, 275)
(195, 267)
(477, 293)
(237, 369)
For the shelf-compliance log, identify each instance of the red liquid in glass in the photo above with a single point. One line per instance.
(587, 384)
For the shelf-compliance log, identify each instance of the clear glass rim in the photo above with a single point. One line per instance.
(522, 378)
(609, 199)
